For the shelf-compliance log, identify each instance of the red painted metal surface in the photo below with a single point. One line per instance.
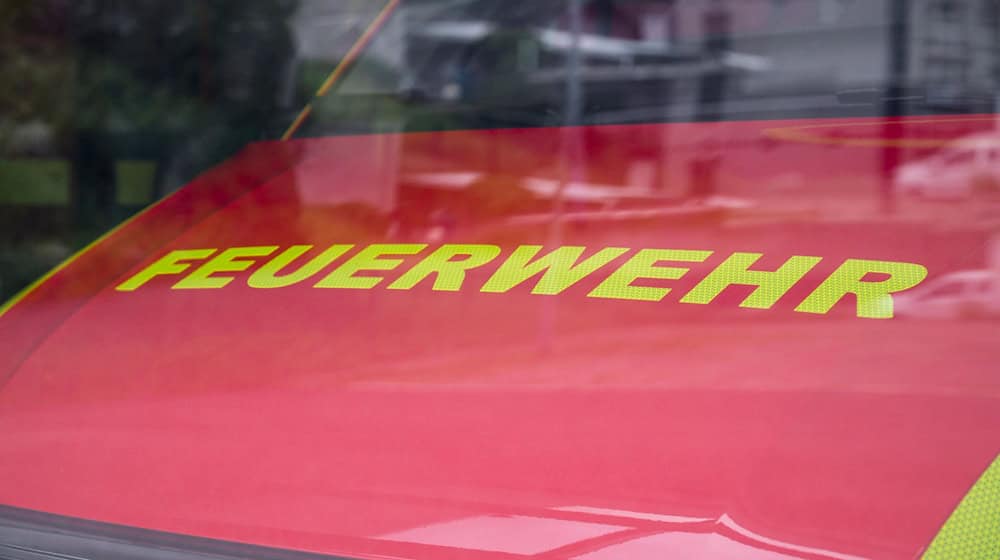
(425, 424)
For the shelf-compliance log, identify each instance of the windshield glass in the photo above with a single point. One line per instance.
(493, 278)
(482, 64)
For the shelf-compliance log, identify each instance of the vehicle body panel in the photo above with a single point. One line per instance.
(377, 423)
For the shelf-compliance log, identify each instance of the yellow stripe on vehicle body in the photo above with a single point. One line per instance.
(5, 307)
(973, 529)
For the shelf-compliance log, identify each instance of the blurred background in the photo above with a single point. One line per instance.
(108, 106)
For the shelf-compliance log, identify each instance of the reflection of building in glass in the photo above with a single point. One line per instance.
(655, 60)
(956, 44)
(474, 64)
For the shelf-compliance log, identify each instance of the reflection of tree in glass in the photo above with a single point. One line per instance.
(191, 69)
(143, 76)
(179, 84)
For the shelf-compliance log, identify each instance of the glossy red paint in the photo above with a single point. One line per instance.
(421, 424)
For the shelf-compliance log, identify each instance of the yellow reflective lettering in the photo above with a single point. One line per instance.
(874, 299)
(229, 260)
(450, 274)
(643, 265)
(558, 268)
(771, 285)
(171, 263)
(368, 259)
(267, 275)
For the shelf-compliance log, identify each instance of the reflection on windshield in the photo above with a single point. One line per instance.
(627, 254)
(120, 131)
(590, 533)
(484, 63)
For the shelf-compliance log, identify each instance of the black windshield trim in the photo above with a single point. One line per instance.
(28, 534)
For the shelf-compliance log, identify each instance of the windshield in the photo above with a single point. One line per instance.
(489, 279)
